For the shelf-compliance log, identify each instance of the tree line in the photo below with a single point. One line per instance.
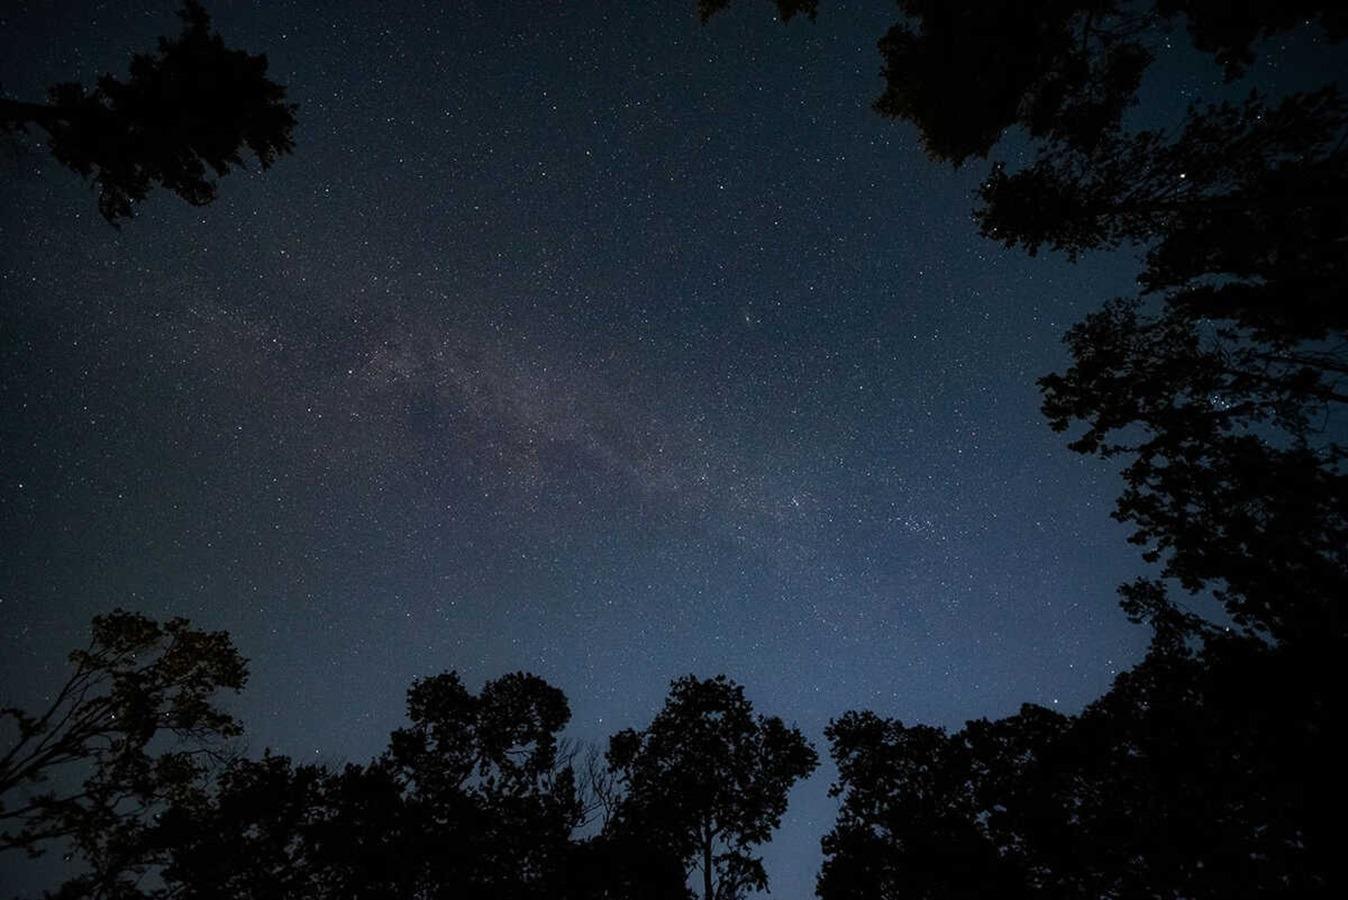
(477, 796)
(1208, 770)
(1195, 775)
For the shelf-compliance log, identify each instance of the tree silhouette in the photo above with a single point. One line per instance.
(262, 832)
(1194, 776)
(83, 774)
(1216, 383)
(966, 71)
(908, 826)
(272, 829)
(476, 798)
(469, 801)
(619, 865)
(1200, 773)
(186, 113)
(710, 779)
(482, 784)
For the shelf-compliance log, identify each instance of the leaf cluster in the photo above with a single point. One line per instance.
(1218, 385)
(1192, 777)
(133, 730)
(185, 115)
(710, 779)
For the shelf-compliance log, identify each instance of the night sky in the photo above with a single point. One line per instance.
(573, 338)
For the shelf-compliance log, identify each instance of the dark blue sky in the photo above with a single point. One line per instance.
(574, 338)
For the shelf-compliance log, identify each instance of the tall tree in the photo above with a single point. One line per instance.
(482, 783)
(185, 113)
(710, 779)
(1201, 772)
(1215, 384)
(908, 825)
(131, 732)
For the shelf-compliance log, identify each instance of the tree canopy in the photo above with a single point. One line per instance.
(186, 113)
(1197, 774)
(1191, 777)
(710, 779)
(470, 800)
(966, 71)
(132, 731)
(1215, 383)
(475, 797)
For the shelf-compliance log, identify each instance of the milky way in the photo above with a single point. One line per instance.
(576, 340)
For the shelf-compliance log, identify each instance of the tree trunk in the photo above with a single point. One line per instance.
(706, 861)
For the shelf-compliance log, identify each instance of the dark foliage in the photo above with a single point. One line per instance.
(131, 732)
(1229, 30)
(469, 802)
(623, 866)
(184, 114)
(475, 799)
(1202, 772)
(709, 779)
(257, 834)
(1195, 776)
(965, 71)
(1217, 384)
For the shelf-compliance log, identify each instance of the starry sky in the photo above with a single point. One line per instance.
(574, 338)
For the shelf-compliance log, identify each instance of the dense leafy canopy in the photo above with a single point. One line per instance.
(1217, 384)
(1189, 778)
(966, 71)
(710, 779)
(131, 732)
(476, 797)
(1222, 387)
(184, 114)
(469, 801)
